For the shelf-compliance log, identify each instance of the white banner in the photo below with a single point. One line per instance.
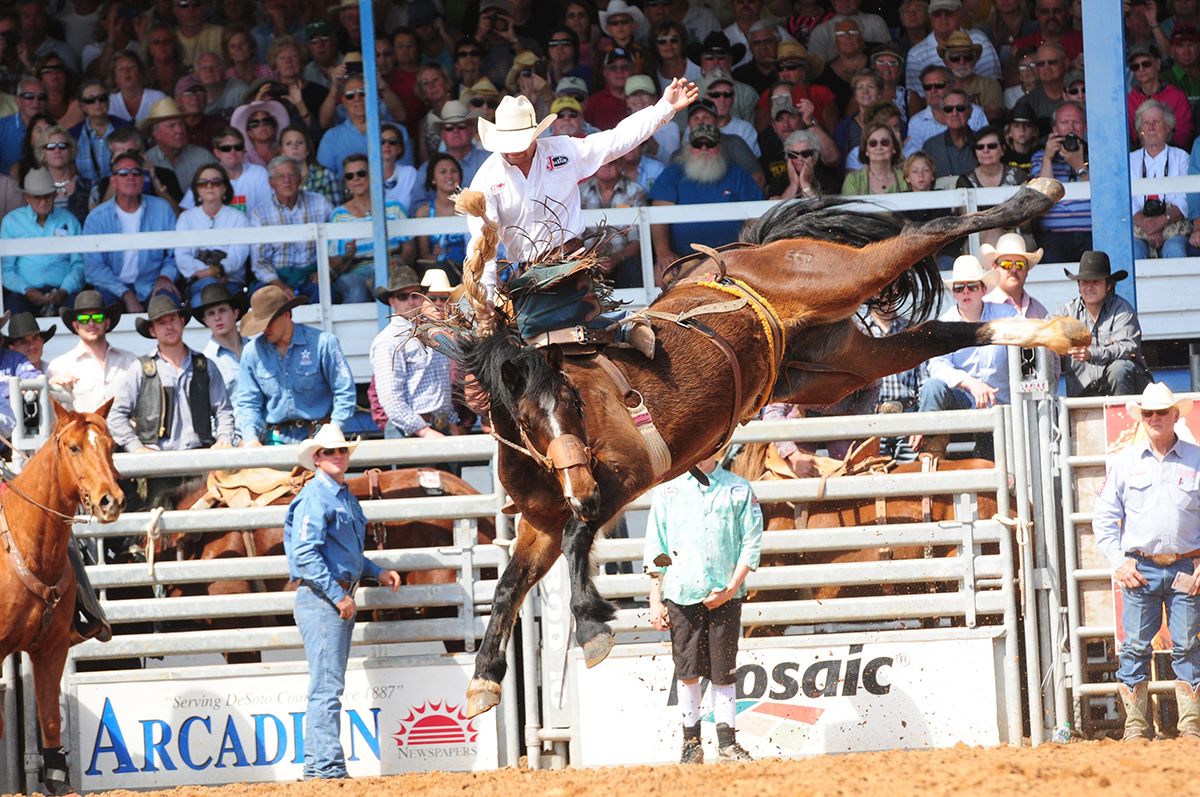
(797, 701)
(211, 731)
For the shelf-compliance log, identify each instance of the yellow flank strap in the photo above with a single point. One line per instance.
(761, 308)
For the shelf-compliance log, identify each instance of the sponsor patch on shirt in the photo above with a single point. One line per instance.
(739, 492)
(306, 357)
(555, 162)
(497, 188)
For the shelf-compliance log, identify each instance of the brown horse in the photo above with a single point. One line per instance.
(770, 323)
(37, 584)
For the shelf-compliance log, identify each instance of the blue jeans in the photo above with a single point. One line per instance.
(1176, 246)
(354, 286)
(327, 647)
(1141, 615)
(936, 395)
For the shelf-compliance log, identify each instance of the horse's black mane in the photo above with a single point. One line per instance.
(484, 355)
(917, 293)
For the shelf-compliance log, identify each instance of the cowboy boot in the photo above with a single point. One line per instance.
(1136, 702)
(94, 624)
(1188, 701)
(727, 747)
(693, 750)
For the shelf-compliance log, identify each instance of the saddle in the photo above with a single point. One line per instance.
(249, 487)
(863, 458)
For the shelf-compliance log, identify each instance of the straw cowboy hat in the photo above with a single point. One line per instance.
(959, 40)
(617, 8)
(160, 111)
(1012, 244)
(85, 302)
(515, 128)
(268, 303)
(403, 279)
(38, 182)
(436, 281)
(1157, 396)
(967, 268)
(23, 325)
(794, 51)
(523, 61)
(215, 294)
(328, 436)
(1094, 265)
(161, 305)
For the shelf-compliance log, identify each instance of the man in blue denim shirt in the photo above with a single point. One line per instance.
(292, 378)
(324, 536)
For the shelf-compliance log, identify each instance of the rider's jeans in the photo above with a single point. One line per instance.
(1141, 617)
(327, 646)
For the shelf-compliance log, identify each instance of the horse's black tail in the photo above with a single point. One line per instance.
(917, 293)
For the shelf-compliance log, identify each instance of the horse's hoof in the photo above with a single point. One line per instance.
(1047, 186)
(56, 787)
(596, 649)
(482, 695)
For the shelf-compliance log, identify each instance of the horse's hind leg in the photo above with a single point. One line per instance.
(48, 661)
(591, 611)
(536, 550)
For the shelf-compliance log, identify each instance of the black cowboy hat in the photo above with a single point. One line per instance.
(1095, 266)
(24, 324)
(716, 42)
(161, 305)
(90, 302)
(403, 279)
(215, 294)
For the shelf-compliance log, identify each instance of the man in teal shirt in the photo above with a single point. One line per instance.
(701, 543)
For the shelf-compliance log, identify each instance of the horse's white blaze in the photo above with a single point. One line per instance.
(555, 433)
(1053, 333)
(92, 438)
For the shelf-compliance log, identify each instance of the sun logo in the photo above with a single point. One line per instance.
(430, 723)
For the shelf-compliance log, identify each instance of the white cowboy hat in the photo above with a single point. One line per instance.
(515, 128)
(1010, 243)
(328, 436)
(621, 8)
(1157, 396)
(967, 268)
(436, 281)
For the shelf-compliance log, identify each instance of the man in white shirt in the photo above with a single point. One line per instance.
(1012, 260)
(874, 29)
(930, 121)
(91, 371)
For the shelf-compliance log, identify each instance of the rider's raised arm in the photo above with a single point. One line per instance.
(599, 148)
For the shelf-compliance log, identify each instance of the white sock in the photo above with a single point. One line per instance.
(689, 702)
(724, 700)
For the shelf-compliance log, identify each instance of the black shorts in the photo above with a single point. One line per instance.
(704, 643)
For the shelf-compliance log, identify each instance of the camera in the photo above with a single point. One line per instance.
(1071, 142)
(276, 89)
(354, 67)
(526, 73)
(1153, 206)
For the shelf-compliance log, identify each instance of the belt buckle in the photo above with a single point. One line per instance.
(1165, 559)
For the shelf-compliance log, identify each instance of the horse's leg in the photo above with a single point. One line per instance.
(536, 550)
(591, 611)
(48, 661)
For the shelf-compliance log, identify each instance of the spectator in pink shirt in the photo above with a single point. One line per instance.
(1145, 62)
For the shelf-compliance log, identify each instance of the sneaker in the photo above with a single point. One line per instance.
(692, 753)
(733, 752)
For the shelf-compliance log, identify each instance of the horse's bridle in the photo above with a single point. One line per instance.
(564, 452)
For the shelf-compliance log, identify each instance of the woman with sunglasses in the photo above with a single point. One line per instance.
(468, 63)
(260, 123)
(579, 17)
(562, 57)
(992, 171)
(225, 263)
(92, 134)
(399, 179)
(482, 98)
(880, 151)
(351, 264)
(60, 90)
(1145, 62)
(802, 149)
(669, 42)
(296, 144)
(443, 177)
(72, 190)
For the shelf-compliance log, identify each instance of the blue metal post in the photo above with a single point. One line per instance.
(1108, 138)
(374, 150)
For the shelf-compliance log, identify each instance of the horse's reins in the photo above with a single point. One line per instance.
(563, 452)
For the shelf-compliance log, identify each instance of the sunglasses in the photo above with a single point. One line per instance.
(340, 451)
(1052, 62)
(620, 20)
(1153, 413)
(395, 142)
(479, 102)
(194, 90)
(455, 126)
(892, 62)
(960, 58)
(357, 175)
(879, 142)
(471, 53)
(53, 68)
(967, 286)
(355, 94)
(843, 33)
(319, 39)
(955, 108)
(130, 172)
(188, 4)
(1012, 265)
(1134, 65)
(941, 84)
(55, 145)
(1077, 90)
(987, 145)
(90, 318)
(253, 123)
(712, 56)
(568, 115)
(557, 43)
(761, 42)
(720, 95)
(94, 99)
(212, 182)
(667, 40)
(34, 95)
(790, 65)
(704, 145)
(231, 148)
(804, 153)
(439, 299)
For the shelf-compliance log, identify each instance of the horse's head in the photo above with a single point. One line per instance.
(84, 449)
(547, 410)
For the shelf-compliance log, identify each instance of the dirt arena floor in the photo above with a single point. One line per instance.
(1094, 769)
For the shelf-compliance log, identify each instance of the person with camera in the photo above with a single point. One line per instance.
(1066, 229)
(350, 136)
(1159, 220)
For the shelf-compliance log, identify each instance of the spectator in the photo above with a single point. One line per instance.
(620, 251)
(974, 377)
(495, 32)
(667, 59)
(132, 100)
(801, 149)
(433, 87)
(626, 26)
(457, 130)
(292, 377)
(919, 172)
(644, 170)
(1053, 28)
(568, 119)
(259, 123)
(158, 182)
(898, 393)
(880, 151)
(580, 17)
(221, 94)
(715, 52)
(1066, 227)
(90, 372)
(295, 143)
(734, 149)
(1076, 88)
(483, 98)
(12, 363)
(92, 158)
(1185, 13)
(851, 57)
(991, 170)
(822, 41)
(31, 101)
(1145, 63)
(171, 149)
(759, 72)
(1184, 73)
(289, 266)
(774, 159)
(406, 60)
(1012, 261)
(193, 33)
(350, 136)
(1008, 22)
(212, 194)
(219, 310)
(468, 63)
(961, 54)
(702, 175)
(59, 82)
(1112, 365)
(562, 50)
(745, 14)
(947, 18)
(247, 181)
(953, 152)
(1020, 137)
(412, 380)
(351, 264)
(717, 88)
(1146, 526)
(191, 98)
(931, 121)
(443, 178)
(40, 283)
(26, 338)
(31, 145)
(1159, 221)
(164, 57)
(606, 106)
(425, 18)
(302, 96)
(175, 401)
(1027, 77)
(131, 276)
(1051, 64)
(888, 63)
(798, 67)
(867, 87)
(10, 195)
(323, 55)
(884, 113)
(239, 51)
(34, 39)
(914, 25)
(702, 540)
(399, 179)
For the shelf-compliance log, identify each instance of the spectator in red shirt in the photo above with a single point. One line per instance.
(796, 64)
(1145, 62)
(1053, 28)
(606, 107)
